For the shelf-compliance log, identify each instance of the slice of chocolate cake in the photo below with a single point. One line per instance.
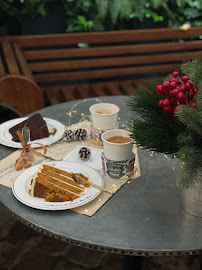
(36, 124)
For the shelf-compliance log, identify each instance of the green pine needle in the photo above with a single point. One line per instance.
(152, 128)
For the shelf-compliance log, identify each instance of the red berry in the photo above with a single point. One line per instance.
(166, 102)
(188, 86)
(194, 105)
(180, 95)
(166, 85)
(175, 74)
(181, 98)
(159, 90)
(185, 79)
(167, 109)
(182, 89)
(182, 101)
(178, 81)
(172, 80)
(160, 103)
(191, 95)
(173, 85)
(174, 92)
(195, 90)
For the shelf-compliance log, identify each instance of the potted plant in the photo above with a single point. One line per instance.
(168, 119)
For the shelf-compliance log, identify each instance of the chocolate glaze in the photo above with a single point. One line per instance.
(37, 126)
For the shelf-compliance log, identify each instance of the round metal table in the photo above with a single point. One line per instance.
(143, 218)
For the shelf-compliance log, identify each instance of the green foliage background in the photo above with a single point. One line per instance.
(96, 15)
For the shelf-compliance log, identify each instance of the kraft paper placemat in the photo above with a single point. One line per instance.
(58, 151)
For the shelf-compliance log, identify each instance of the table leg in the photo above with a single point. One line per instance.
(132, 263)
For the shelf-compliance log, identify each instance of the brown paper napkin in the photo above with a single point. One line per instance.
(58, 151)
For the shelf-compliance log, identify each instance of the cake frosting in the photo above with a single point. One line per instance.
(56, 185)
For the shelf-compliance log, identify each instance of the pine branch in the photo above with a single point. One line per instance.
(187, 177)
(189, 117)
(185, 139)
(153, 128)
(193, 69)
(198, 98)
(191, 158)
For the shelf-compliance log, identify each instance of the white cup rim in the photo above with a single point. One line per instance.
(114, 135)
(117, 108)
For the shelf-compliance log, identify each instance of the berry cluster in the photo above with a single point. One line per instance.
(177, 91)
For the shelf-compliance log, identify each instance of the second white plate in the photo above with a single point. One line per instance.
(6, 137)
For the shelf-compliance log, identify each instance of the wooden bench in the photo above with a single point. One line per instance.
(114, 62)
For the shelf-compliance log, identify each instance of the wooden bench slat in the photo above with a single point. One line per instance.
(84, 90)
(116, 61)
(127, 86)
(53, 94)
(112, 50)
(98, 89)
(22, 62)
(10, 58)
(97, 74)
(106, 36)
(68, 92)
(2, 71)
(114, 88)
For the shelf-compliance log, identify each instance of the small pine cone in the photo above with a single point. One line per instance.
(81, 134)
(69, 135)
(84, 153)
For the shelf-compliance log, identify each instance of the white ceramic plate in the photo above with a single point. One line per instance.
(21, 187)
(6, 137)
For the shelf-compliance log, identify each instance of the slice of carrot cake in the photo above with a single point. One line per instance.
(56, 185)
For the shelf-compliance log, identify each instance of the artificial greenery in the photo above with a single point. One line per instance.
(156, 130)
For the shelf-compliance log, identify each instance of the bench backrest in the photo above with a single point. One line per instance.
(57, 59)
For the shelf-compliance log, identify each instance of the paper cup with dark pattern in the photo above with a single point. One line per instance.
(118, 169)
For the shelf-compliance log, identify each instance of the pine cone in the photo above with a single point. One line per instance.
(81, 134)
(69, 135)
(84, 153)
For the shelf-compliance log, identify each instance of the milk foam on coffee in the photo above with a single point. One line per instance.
(119, 139)
(104, 115)
(117, 151)
(104, 112)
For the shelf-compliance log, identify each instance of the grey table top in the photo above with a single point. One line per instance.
(143, 218)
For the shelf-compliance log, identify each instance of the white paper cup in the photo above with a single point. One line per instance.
(104, 121)
(117, 151)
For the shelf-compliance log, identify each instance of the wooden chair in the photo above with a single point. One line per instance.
(17, 86)
(21, 93)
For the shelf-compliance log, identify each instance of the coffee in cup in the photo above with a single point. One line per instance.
(117, 144)
(119, 139)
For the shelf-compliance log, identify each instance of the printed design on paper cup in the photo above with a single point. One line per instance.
(96, 133)
(118, 169)
(115, 169)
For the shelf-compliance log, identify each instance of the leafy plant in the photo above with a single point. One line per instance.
(98, 15)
